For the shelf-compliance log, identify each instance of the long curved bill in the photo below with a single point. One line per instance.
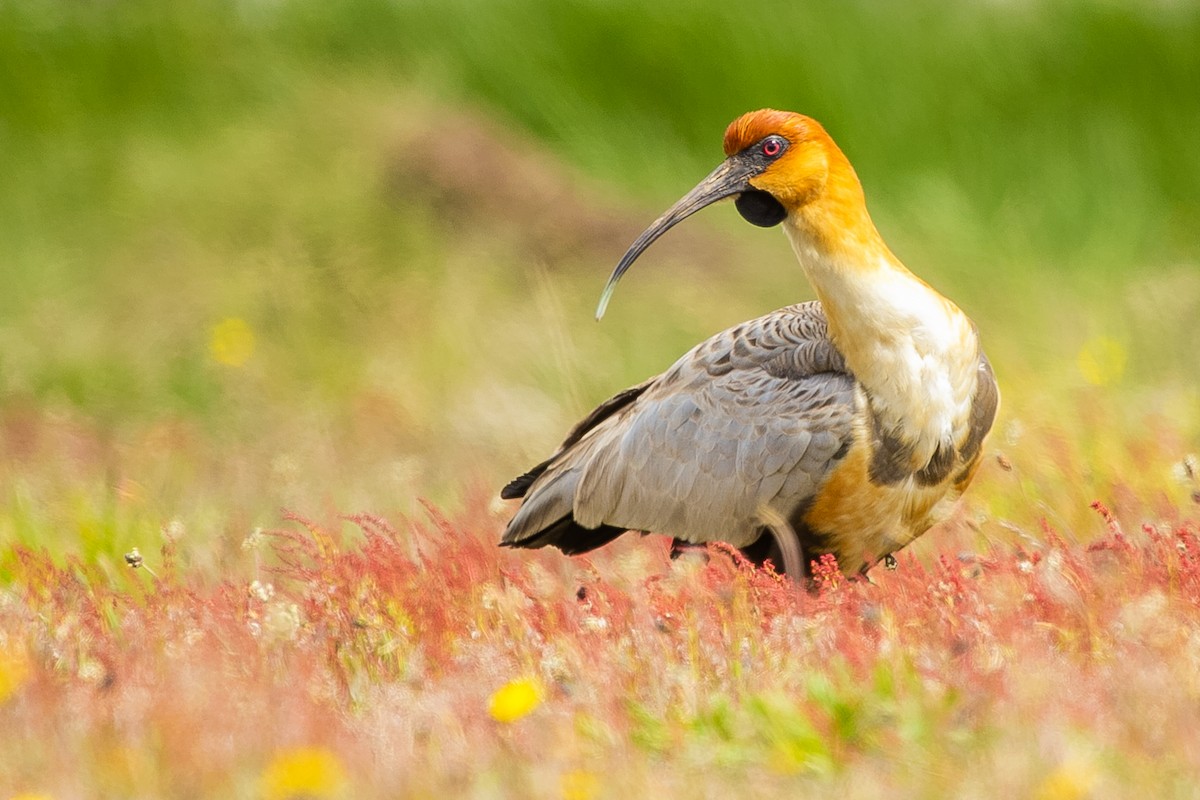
(730, 178)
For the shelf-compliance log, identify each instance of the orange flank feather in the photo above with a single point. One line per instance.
(866, 521)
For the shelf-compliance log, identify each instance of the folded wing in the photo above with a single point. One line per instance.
(753, 417)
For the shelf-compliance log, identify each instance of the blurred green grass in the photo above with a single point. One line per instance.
(377, 189)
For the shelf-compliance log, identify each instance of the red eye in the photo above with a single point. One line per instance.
(772, 148)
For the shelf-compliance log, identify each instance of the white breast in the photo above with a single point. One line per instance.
(914, 352)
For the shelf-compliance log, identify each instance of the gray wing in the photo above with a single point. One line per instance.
(751, 418)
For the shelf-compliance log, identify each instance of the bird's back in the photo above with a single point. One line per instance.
(752, 418)
(760, 421)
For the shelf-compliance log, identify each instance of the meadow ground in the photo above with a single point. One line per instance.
(291, 289)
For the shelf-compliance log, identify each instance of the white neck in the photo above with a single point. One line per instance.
(914, 353)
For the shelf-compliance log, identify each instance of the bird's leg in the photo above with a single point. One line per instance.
(889, 563)
(679, 548)
(790, 549)
(864, 574)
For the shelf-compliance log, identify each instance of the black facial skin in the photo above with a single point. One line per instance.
(757, 207)
(756, 153)
(760, 208)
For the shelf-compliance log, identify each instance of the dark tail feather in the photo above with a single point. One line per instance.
(569, 536)
(518, 486)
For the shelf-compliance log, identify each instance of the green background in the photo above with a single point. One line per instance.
(412, 208)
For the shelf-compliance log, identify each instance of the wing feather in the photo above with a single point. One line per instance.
(751, 418)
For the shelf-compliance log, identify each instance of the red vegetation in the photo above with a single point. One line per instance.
(384, 648)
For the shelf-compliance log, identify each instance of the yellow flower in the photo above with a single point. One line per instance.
(1102, 361)
(231, 342)
(1072, 780)
(14, 670)
(31, 796)
(311, 772)
(579, 784)
(515, 699)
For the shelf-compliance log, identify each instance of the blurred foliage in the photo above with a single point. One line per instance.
(1051, 670)
(335, 257)
(1053, 131)
(1084, 111)
(405, 211)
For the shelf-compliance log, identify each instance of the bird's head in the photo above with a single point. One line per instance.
(778, 165)
(784, 159)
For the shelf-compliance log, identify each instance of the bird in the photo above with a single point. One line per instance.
(848, 425)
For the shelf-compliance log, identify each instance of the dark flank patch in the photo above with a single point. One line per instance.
(966, 473)
(983, 410)
(938, 467)
(890, 455)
